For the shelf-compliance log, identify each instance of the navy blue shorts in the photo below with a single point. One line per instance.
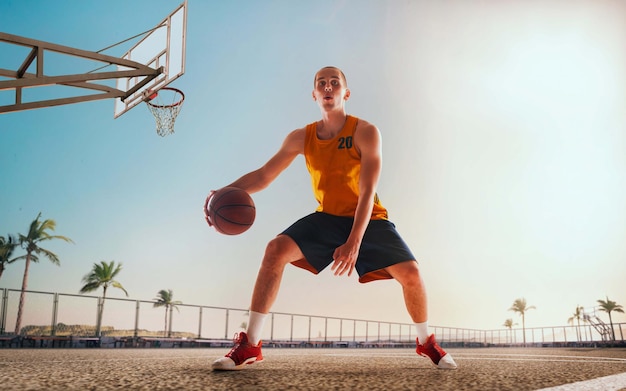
(319, 234)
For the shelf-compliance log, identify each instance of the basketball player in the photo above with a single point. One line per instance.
(349, 229)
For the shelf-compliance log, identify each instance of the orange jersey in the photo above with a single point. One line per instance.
(335, 168)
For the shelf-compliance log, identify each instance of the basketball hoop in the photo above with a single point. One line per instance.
(165, 104)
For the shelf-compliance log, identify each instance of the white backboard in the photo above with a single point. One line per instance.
(163, 47)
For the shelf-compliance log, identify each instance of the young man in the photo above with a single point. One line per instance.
(349, 229)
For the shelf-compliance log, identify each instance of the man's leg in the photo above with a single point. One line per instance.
(416, 301)
(279, 252)
(408, 275)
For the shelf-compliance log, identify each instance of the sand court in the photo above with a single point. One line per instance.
(312, 369)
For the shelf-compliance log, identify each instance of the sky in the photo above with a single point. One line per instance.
(504, 152)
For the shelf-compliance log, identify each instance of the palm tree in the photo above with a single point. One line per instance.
(609, 306)
(509, 325)
(37, 233)
(519, 306)
(7, 246)
(244, 324)
(578, 315)
(102, 275)
(164, 299)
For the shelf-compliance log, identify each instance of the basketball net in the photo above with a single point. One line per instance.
(165, 105)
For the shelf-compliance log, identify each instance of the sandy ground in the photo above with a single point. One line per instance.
(305, 369)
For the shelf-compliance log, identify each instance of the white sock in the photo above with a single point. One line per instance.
(422, 332)
(255, 327)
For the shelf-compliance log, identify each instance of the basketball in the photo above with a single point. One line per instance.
(230, 210)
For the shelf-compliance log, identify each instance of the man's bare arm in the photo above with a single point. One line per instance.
(259, 179)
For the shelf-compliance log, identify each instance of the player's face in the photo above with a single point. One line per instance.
(330, 88)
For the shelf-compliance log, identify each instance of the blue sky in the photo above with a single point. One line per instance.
(504, 141)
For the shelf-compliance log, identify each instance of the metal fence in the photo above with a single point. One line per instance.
(60, 314)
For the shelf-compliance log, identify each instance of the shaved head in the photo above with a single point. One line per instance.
(345, 81)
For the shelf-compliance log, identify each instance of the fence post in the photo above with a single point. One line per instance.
(136, 331)
(340, 328)
(226, 328)
(325, 329)
(55, 310)
(200, 323)
(98, 313)
(3, 310)
(309, 337)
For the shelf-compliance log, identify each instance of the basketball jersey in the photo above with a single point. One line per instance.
(335, 168)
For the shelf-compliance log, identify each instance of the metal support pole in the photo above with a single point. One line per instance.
(272, 328)
(55, 310)
(136, 332)
(309, 338)
(226, 328)
(354, 331)
(291, 330)
(340, 328)
(3, 310)
(325, 329)
(98, 314)
(612, 335)
(200, 322)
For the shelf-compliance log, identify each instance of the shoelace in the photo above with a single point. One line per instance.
(237, 340)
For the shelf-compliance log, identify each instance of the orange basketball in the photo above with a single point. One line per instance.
(230, 210)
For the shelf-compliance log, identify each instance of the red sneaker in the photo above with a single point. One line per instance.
(437, 355)
(241, 354)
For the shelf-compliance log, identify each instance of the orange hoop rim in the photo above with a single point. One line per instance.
(180, 102)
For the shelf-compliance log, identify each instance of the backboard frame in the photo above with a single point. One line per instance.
(89, 86)
(164, 46)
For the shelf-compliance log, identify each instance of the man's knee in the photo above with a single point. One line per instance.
(406, 273)
(280, 250)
